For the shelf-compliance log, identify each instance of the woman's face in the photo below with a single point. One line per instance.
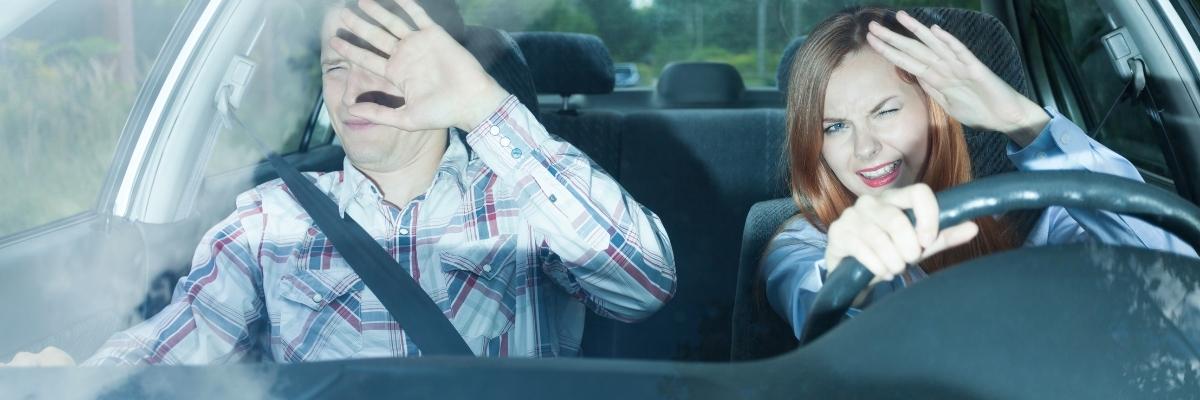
(876, 125)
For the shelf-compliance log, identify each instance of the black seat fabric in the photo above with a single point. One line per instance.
(700, 171)
(699, 84)
(570, 63)
(760, 332)
(783, 73)
(502, 59)
(567, 63)
(757, 330)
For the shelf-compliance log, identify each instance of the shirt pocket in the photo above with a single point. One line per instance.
(320, 315)
(480, 293)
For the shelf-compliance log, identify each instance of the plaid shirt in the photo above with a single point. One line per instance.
(515, 236)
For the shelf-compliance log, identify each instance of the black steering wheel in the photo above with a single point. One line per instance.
(999, 194)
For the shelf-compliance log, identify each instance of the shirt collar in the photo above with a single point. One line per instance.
(356, 186)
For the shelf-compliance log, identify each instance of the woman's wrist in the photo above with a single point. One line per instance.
(1028, 126)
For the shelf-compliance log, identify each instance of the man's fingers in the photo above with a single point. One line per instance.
(398, 118)
(951, 237)
(417, 13)
(392, 22)
(23, 359)
(55, 357)
(360, 56)
(373, 35)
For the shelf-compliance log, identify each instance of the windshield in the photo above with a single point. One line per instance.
(627, 199)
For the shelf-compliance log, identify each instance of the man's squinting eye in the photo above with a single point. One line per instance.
(887, 112)
(834, 128)
(334, 67)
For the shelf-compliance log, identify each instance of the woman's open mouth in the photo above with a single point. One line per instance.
(880, 175)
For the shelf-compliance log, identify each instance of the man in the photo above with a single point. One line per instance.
(511, 232)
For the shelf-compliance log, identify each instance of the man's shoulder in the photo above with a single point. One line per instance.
(273, 197)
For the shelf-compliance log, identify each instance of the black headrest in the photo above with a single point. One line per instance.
(982, 33)
(501, 57)
(567, 63)
(785, 62)
(700, 84)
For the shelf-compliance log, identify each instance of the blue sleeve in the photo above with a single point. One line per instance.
(793, 267)
(1064, 146)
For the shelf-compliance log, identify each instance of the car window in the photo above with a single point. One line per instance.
(1078, 26)
(278, 103)
(70, 75)
(648, 34)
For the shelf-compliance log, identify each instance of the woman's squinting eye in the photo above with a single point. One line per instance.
(888, 111)
(332, 68)
(834, 128)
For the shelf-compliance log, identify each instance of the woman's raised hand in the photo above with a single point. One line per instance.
(966, 88)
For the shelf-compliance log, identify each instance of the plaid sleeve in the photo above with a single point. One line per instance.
(214, 313)
(614, 250)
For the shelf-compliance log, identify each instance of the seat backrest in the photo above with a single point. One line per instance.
(566, 64)
(758, 331)
(502, 59)
(699, 85)
(700, 171)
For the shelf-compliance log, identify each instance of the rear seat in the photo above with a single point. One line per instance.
(699, 164)
(699, 158)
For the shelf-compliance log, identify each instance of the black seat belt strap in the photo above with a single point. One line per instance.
(400, 294)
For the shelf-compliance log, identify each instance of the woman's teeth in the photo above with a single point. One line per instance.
(882, 172)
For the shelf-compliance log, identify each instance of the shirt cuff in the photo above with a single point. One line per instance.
(1052, 146)
(512, 143)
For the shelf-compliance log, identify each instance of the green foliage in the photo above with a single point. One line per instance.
(679, 30)
(62, 120)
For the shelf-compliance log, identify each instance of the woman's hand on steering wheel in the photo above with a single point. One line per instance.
(877, 233)
(966, 88)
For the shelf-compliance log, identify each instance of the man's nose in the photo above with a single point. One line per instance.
(866, 145)
(360, 81)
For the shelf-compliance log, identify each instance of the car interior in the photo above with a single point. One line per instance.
(700, 148)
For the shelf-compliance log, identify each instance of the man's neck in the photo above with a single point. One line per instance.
(406, 180)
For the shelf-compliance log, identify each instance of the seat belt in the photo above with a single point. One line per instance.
(403, 298)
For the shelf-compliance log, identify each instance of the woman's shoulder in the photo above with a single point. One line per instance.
(797, 230)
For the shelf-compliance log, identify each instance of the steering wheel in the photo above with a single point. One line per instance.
(1002, 193)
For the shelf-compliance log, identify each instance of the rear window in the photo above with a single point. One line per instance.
(646, 35)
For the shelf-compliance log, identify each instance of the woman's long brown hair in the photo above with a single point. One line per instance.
(815, 189)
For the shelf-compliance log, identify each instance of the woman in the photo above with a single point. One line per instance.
(874, 111)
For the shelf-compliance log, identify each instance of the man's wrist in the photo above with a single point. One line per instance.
(483, 108)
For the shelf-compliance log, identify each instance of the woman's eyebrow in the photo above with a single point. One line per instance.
(880, 104)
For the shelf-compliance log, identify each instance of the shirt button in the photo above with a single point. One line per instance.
(505, 142)
(403, 231)
(316, 298)
(1041, 154)
(553, 198)
(516, 153)
(494, 130)
(487, 268)
(1065, 140)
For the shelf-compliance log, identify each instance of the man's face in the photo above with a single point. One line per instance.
(368, 145)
